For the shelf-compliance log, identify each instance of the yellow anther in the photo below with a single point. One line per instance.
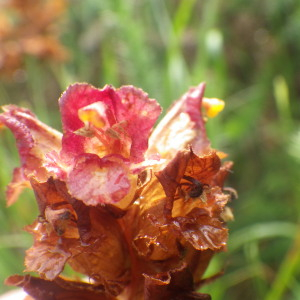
(92, 116)
(213, 106)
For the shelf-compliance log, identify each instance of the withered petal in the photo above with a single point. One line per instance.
(221, 176)
(16, 186)
(47, 259)
(203, 169)
(175, 284)
(34, 141)
(55, 231)
(171, 175)
(203, 232)
(82, 212)
(58, 289)
(153, 237)
(100, 251)
(183, 125)
(105, 257)
(46, 194)
(50, 251)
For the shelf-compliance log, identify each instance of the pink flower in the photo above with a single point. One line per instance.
(105, 134)
(139, 212)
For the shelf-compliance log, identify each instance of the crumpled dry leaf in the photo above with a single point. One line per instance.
(175, 284)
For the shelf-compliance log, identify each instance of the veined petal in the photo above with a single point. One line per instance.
(78, 96)
(30, 133)
(141, 114)
(182, 126)
(34, 141)
(94, 180)
(107, 121)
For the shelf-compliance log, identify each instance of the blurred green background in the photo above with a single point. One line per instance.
(248, 53)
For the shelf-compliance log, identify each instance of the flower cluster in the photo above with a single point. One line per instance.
(139, 212)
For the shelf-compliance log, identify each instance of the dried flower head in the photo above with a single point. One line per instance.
(28, 27)
(140, 213)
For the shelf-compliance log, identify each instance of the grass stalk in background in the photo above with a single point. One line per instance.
(286, 272)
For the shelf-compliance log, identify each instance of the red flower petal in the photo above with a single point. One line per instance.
(120, 120)
(141, 114)
(80, 95)
(34, 141)
(183, 125)
(94, 180)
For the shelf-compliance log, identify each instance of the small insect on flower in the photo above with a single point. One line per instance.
(195, 187)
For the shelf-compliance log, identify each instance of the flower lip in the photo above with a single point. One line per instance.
(94, 180)
(121, 120)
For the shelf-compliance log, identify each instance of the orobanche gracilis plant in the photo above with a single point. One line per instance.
(138, 212)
